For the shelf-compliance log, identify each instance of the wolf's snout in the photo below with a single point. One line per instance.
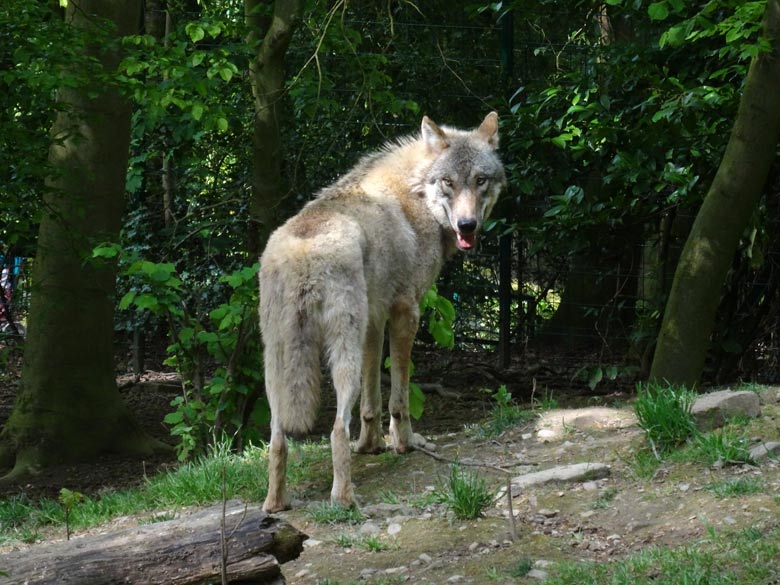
(467, 226)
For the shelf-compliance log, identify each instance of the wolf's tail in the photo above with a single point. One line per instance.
(292, 340)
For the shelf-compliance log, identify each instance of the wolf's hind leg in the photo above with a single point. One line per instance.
(276, 499)
(345, 339)
(404, 318)
(371, 439)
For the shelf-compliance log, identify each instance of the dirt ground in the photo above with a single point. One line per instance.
(447, 408)
(405, 536)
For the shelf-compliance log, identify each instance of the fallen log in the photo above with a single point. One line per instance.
(184, 551)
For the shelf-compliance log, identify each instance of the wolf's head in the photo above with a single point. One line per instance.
(466, 177)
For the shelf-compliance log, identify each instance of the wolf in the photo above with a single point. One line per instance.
(359, 256)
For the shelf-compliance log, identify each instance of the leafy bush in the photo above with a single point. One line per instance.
(215, 349)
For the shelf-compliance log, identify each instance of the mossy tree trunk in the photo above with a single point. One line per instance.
(68, 407)
(267, 73)
(696, 290)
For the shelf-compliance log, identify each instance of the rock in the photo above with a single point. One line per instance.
(425, 558)
(769, 395)
(369, 529)
(765, 450)
(711, 411)
(537, 574)
(383, 510)
(396, 570)
(455, 579)
(394, 529)
(566, 473)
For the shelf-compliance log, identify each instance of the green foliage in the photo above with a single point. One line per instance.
(69, 499)
(326, 513)
(196, 482)
(504, 414)
(605, 498)
(521, 568)
(441, 317)
(747, 556)
(728, 445)
(222, 340)
(466, 494)
(664, 414)
(736, 487)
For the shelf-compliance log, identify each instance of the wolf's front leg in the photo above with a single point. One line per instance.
(404, 318)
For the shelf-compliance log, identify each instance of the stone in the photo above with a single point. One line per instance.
(712, 410)
(425, 558)
(537, 574)
(369, 529)
(768, 450)
(575, 472)
(769, 395)
(393, 529)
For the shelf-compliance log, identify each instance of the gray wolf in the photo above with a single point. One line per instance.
(357, 257)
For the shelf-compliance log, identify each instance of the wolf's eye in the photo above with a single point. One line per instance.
(447, 182)
(481, 180)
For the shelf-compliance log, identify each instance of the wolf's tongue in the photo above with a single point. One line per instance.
(465, 241)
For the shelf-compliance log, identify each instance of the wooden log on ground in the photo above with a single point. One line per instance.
(184, 551)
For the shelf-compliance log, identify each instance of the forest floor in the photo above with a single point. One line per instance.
(404, 535)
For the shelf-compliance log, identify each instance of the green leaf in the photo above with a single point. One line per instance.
(207, 337)
(197, 111)
(416, 401)
(106, 251)
(658, 11)
(595, 377)
(127, 300)
(222, 124)
(195, 31)
(186, 335)
(173, 418)
(442, 334)
(445, 307)
(147, 301)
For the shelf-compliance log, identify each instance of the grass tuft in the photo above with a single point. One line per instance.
(664, 414)
(326, 513)
(504, 415)
(466, 494)
(728, 445)
(734, 488)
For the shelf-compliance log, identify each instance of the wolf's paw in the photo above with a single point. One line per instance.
(272, 506)
(370, 447)
(344, 498)
(414, 441)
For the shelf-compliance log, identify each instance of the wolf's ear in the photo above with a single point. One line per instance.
(433, 136)
(488, 130)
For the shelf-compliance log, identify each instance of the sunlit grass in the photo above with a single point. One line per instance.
(748, 557)
(202, 481)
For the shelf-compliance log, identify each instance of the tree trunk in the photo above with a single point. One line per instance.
(68, 407)
(267, 74)
(695, 294)
(185, 551)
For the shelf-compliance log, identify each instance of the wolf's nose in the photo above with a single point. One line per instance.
(467, 226)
